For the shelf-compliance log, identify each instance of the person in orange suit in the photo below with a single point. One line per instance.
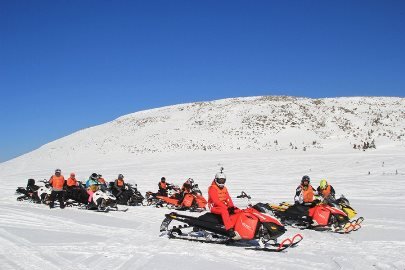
(57, 182)
(220, 203)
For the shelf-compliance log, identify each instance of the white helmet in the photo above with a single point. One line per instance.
(220, 178)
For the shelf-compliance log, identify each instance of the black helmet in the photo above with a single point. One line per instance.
(305, 178)
(163, 179)
(120, 176)
(93, 176)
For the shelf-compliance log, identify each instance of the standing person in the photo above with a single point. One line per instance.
(221, 203)
(57, 182)
(305, 193)
(325, 190)
(119, 185)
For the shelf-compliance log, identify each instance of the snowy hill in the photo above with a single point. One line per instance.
(256, 123)
(194, 140)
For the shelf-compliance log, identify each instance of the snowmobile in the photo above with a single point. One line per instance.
(156, 198)
(44, 192)
(29, 193)
(318, 215)
(343, 204)
(193, 201)
(136, 197)
(129, 196)
(77, 195)
(256, 230)
(103, 201)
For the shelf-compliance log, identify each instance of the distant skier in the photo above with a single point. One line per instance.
(221, 203)
(57, 182)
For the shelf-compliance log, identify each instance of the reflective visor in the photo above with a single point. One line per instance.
(221, 181)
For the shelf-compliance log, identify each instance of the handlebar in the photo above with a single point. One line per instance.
(243, 195)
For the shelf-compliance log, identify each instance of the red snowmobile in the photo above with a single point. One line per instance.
(193, 200)
(319, 216)
(258, 231)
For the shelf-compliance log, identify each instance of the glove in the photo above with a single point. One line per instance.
(231, 210)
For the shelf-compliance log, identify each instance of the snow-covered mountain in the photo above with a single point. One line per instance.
(254, 123)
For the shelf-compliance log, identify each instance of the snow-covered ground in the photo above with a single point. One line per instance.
(35, 237)
(260, 141)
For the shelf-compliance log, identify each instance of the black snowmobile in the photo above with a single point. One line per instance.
(29, 193)
(253, 229)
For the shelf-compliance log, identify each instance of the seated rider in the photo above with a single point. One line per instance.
(119, 185)
(221, 203)
(185, 189)
(92, 186)
(101, 181)
(163, 187)
(325, 190)
(305, 193)
(71, 182)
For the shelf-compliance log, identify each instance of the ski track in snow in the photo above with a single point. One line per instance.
(35, 237)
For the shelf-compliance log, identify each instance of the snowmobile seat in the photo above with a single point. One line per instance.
(212, 218)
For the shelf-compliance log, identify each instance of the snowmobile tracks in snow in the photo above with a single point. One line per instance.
(276, 247)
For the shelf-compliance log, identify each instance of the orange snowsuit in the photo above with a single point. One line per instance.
(308, 194)
(326, 192)
(71, 182)
(219, 201)
(57, 182)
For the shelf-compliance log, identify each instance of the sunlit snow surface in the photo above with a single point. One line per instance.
(35, 237)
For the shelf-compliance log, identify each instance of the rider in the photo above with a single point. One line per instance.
(101, 181)
(92, 186)
(325, 190)
(57, 182)
(163, 187)
(304, 194)
(72, 181)
(119, 185)
(221, 203)
(185, 189)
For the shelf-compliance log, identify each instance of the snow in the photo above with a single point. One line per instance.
(35, 237)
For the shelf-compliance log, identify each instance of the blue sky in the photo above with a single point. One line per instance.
(68, 65)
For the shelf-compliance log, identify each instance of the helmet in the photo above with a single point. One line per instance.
(323, 184)
(120, 176)
(72, 174)
(191, 181)
(93, 176)
(305, 178)
(57, 171)
(220, 179)
(163, 179)
(99, 175)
